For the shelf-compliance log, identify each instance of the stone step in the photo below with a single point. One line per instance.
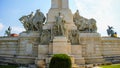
(75, 66)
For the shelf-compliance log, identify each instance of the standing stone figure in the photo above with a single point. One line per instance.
(8, 31)
(59, 25)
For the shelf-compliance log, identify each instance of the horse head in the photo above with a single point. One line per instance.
(24, 19)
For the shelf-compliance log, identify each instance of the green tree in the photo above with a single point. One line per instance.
(60, 61)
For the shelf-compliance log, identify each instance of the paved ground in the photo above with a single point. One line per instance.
(96, 67)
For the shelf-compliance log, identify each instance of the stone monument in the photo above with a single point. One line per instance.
(59, 32)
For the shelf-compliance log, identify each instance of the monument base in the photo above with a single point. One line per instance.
(61, 45)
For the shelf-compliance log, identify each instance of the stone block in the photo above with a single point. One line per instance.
(92, 60)
(75, 66)
(25, 60)
(79, 61)
(43, 49)
(61, 46)
(89, 66)
(81, 66)
(76, 50)
(61, 49)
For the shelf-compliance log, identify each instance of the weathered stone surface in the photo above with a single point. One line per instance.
(84, 24)
(76, 50)
(59, 4)
(111, 46)
(33, 22)
(61, 46)
(38, 47)
(43, 49)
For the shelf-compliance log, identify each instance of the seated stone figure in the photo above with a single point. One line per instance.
(45, 37)
(74, 37)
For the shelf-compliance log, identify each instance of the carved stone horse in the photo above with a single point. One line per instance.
(38, 20)
(24, 20)
(92, 25)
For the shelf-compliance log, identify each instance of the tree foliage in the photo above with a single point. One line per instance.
(60, 61)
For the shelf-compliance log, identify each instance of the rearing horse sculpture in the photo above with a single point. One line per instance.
(24, 20)
(38, 20)
(110, 31)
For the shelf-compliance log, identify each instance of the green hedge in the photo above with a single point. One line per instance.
(60, 61)
(8, 66)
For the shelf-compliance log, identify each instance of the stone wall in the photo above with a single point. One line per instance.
(76, 52)
(22, 49)
(26, 49)
(8, 48)
(8, 45)
(110, 46)
(91, 45)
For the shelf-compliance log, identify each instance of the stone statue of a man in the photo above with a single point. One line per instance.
(59, 24)
(8, 31)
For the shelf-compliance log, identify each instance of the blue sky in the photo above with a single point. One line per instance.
(106, 12)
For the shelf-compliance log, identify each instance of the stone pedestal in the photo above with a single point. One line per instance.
(76, 52)
(28, 42)
(92, 45)
(61, 46)
(43, 51)
(28, 47)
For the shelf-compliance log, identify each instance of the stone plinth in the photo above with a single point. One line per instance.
(28, 42)
(60, 45)
(76, 51)
(111, 46)
(92, 45)
(43, 51)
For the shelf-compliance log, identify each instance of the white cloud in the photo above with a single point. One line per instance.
(17, 29)
(101, 10)
(1, 26)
